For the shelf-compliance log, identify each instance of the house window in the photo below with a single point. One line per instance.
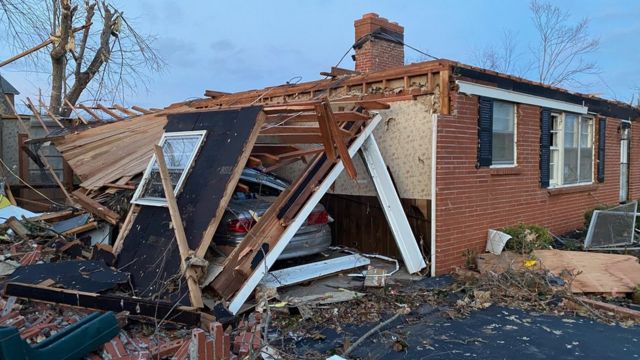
(179, 150)
(503, 152)
(571, 150)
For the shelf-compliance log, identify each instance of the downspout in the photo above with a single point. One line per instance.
(434, 157)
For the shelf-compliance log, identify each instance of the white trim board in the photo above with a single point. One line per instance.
(301, 273)
(392, 207)
(517, 97)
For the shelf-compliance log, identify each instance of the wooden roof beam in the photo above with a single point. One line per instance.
(340, 116)
(214, 94)
(141, 110)
(51, 115)
(307, 106)
(276, 130)
(75, 111)
(290, 139)
(36, 113)
(124, 110)
(90, 112)
(109, 112)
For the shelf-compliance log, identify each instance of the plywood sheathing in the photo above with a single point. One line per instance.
(149, 251)
(596, 272)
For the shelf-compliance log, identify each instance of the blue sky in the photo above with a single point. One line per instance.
(241, 45)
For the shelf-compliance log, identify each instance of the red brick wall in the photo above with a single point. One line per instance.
(377, 55)
(469, 201)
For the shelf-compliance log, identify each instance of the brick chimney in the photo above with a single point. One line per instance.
(378, 43)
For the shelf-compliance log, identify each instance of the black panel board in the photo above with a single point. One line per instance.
(149, 251)
(83, 275)
(141, 307)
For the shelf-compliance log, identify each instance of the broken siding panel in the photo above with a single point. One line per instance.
(404, 138)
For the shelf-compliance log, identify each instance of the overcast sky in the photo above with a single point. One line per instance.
(241, 45)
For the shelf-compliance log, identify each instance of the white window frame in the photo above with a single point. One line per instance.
(515, 137)
(557, 182)
(155, 201)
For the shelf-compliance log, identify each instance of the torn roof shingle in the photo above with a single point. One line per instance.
(6, 87)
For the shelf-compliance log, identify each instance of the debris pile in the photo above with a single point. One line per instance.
(137, 236)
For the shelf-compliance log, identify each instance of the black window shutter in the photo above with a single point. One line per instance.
(545, 147)
(602, 131)
(485, 131)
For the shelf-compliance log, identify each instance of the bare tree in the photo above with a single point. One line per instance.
(500, 57)
(558, 56)
(561, 49)
(93, 50)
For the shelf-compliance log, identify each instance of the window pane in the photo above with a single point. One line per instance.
(553, 166)
(177, 151)
(503, 134)
(570, 172)
(586, 165)
(586, 150)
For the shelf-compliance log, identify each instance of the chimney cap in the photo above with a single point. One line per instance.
(371, 22)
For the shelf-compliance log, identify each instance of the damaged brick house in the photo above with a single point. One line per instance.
(469, 149)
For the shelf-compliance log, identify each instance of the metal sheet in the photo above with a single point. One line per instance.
(306, 272)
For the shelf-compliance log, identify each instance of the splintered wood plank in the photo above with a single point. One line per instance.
(338, 138)
(176, 220)
(327, 137)
(96, 208)
(600, 273)
(107, 152)
(149, 252)
(444, 92)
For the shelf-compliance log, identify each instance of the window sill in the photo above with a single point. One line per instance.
(572, 189)
(512, 170)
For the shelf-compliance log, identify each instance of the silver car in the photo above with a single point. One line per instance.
(244, 208)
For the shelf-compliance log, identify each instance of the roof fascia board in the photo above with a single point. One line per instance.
(517, 97)
(600, 106)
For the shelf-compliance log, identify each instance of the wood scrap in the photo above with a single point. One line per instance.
(17, 227)
(618, 310)
(96, 208)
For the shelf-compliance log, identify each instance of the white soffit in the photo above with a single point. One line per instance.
(516, 97)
